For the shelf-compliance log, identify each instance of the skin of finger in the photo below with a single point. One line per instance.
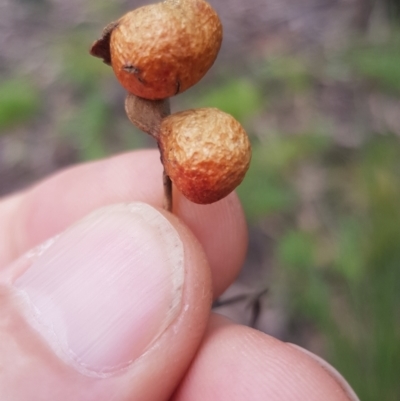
(239, 363)
(221, 228)
(51, 206)
(30, 367)
(8, 210)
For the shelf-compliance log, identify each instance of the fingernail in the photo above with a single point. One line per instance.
(332, 371)
(107, 288)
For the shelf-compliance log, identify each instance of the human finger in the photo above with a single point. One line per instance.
(239, 363)
(46, 209)
(113, 305)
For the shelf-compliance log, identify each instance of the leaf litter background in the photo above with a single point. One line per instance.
(316, 83)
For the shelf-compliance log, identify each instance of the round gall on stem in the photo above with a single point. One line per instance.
(205, 152)
(162, 49)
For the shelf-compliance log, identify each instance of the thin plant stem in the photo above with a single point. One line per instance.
(147, 115)
(167, 204)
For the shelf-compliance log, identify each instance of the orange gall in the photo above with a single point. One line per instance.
(205, 152)
(162, 49)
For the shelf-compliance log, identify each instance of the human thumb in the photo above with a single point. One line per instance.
(114, 308)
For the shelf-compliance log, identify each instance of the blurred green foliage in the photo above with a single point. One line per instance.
(267, 187)
(80, 69)
(352, 293)
(91, 125)
(19, 102)
(88, 127)
(291, 72)
(378, 63)
(297, 250)
(257, 201)
(239, 97)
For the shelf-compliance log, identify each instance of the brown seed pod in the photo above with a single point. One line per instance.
(205, 152)
(162, 49)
